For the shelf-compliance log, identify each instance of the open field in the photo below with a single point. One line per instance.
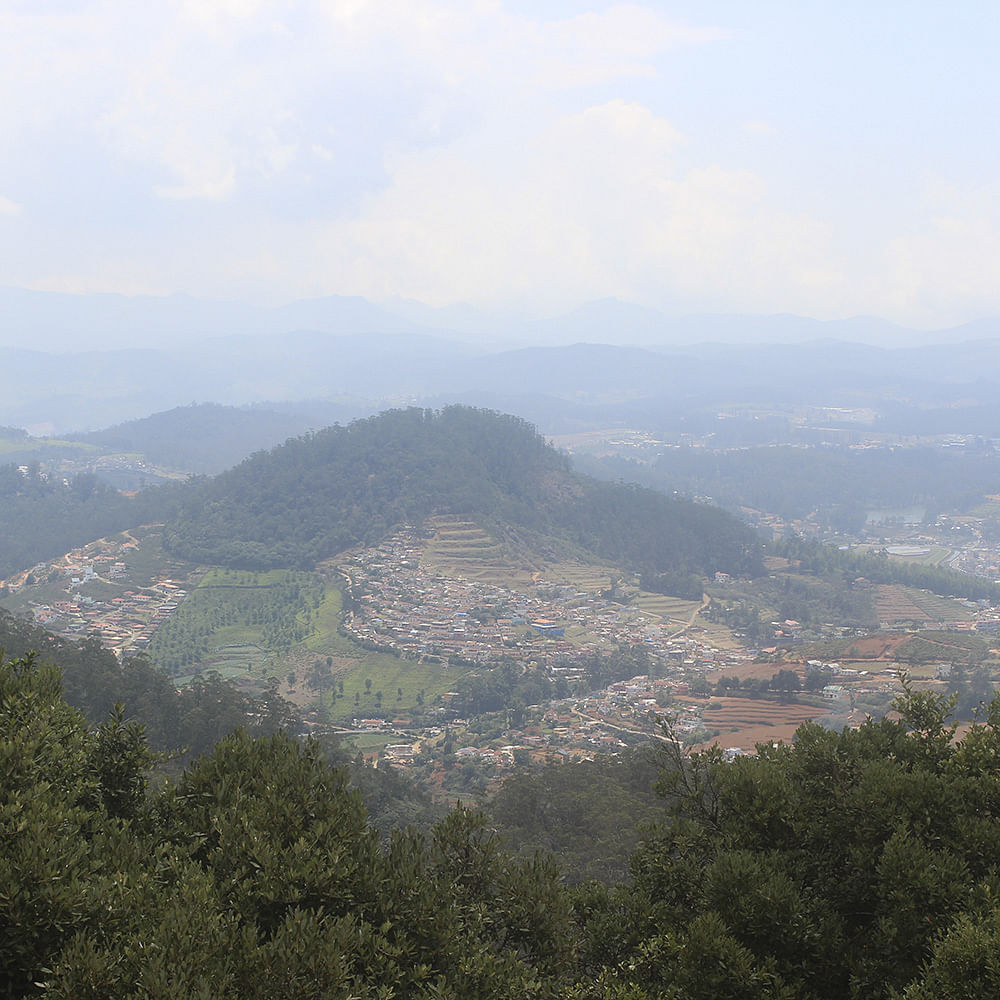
(931, 555)
(894, 604)
(732, 713)
(667, 608)
(748, 737)
(745, 722)
(939, 609)
(17, 445)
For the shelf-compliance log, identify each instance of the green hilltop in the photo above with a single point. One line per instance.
(322, 493)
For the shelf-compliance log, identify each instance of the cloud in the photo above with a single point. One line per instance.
(758, 128)
(204, 93)
(452, 150)
(596, 205)
(947, 269)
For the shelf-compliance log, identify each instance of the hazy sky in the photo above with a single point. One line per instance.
(823, 158)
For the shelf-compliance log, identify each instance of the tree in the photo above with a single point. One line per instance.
(786, 683)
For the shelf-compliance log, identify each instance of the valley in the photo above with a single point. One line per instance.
(460, 656)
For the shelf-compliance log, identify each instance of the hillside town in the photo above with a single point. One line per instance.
(398, 601)
(103, 590)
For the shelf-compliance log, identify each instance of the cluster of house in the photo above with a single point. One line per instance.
(122, 619)
(568, 728)
(124, 624)
(400, 605)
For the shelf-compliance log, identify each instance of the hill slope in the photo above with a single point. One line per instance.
(320, 494)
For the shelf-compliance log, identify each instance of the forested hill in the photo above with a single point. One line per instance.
(319, 494)
(203, 438)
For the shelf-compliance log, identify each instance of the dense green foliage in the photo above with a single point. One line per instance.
(588, 814)
(203, 438)
(320, 494)
(45, 516)
(837, 867)
(193, 718)
(878, 567)
(255, 875)
(855, 864)
(839, 483)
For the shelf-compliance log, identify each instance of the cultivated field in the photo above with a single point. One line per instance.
(667, 608)
(463, 549)
(939, 609)
(745, 722)
(894, 603)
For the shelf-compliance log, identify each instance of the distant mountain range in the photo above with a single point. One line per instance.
(604, 364)
(62, 322)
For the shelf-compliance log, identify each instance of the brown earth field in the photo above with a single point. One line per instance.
(875, 647)
(746, 739)
(744, 712)
(744, 722)
(758, 671)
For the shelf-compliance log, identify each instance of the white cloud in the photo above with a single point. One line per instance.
(442, 150)
(204, 91)
(596, 205)
(758, 128)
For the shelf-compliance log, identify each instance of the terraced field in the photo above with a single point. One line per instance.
(739, 713)
(939, 609)
(894, 603)
(463, 549)
(666, 608)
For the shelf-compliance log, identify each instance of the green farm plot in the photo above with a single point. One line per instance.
(354, 666)
(271, 611)
(668, 608)
(235, 659)
(368, 742)
(19, 445)
(938, 609)
(418, 681)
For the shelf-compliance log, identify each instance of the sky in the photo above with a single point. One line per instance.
(825, 159)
